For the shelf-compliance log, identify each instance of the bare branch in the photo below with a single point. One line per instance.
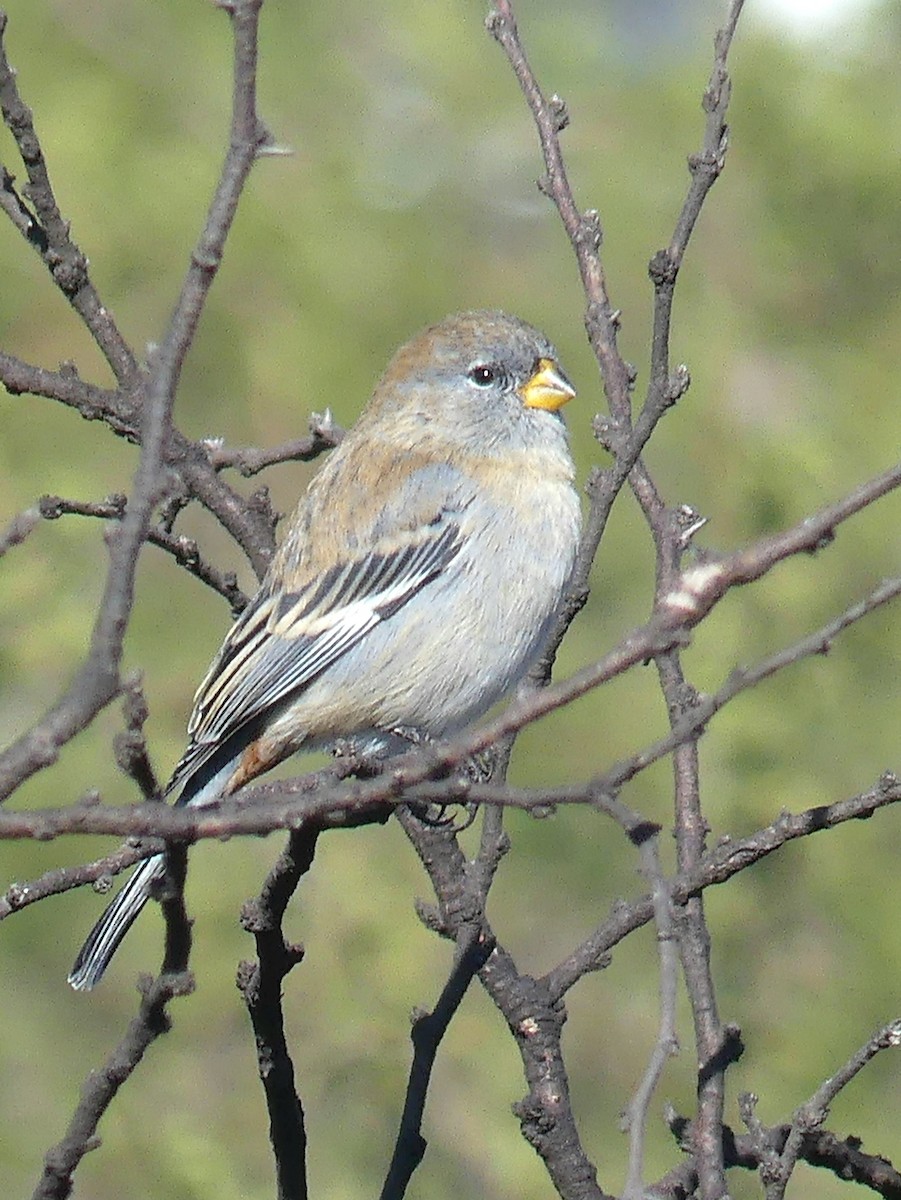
(705, 168)
(288, 804)
(715, 1045)
(716, 866)
(428, 1030)
(324, 435)
(601, 320)
(251, 524)
(97, 680)
(101, 1086)
(183, 549)
(667, 1042)
(64, 879)
(583, 229)
(260, 984)
(843, 1157)
(118, 409)
(132, 756)
(533, 1017)
(47, 231)
(811, 1116)
(173, 471)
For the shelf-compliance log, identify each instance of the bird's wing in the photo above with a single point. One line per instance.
(284, 640)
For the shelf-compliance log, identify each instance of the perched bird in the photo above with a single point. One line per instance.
(416, 582)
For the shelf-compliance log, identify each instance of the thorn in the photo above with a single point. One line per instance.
(273, 150)
(678, 384)
(559, 112)
(688, 523)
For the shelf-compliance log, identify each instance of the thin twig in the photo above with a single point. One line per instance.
(692, 934)
(583, 229)
(716, 867)
(601, 319)
(810, 1117)
(183, 549)
(705, 167)
(324, 435)
(250, 523)
(130, 745)
(117, 408)
(666, 1043)
(18, 529)
(98, 679)
(101, 1086)
(100, 873)
(45, 229)
(844, 1157)
(264, 808)
(428, 1030)
(152, 1021)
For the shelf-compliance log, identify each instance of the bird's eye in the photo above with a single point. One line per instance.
(483, 375)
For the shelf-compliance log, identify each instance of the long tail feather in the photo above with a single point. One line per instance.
(202, 787)
(103, 940)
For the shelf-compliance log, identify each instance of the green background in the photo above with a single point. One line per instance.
(410, 193)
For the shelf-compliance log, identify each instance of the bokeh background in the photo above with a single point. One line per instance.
(410, 193)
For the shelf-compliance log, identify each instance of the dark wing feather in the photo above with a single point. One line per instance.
(282, 642)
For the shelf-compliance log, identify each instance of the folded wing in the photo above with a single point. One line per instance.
(283, 641)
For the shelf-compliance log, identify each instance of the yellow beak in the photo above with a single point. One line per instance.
(548, 388)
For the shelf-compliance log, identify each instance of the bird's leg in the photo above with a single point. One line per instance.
(437, 816)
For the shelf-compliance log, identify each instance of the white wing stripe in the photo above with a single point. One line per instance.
(272, 653)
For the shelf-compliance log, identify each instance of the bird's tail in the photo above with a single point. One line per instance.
(103, 940)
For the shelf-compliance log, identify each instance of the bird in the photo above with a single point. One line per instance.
(416, 583)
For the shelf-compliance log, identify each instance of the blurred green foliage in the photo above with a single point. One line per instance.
(410, 193)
